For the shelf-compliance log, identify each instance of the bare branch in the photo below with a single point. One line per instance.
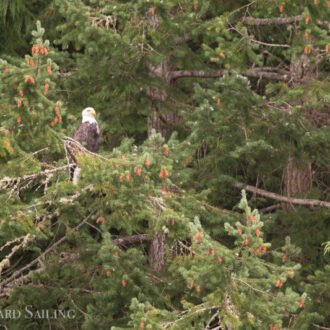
(8, 285)
(70, 200)
(279, 75)
(270, 45)
(186, 37)
(298, 201)
(38, 259)
(195, 74)
(270, 21)
(320, 327)
(74, 146)
(7, 181)
(131, 240)
(65, 74)
(270, 208)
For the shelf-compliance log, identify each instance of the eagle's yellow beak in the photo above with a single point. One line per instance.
(92, 112)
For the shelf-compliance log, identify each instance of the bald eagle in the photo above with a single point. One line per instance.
(88, 135)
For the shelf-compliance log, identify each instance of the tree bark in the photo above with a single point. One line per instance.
(280, 198)
(157, 252)
(156, 121)
(298, 180)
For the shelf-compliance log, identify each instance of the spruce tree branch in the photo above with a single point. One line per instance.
(186, 37)
(17, 239)
(269, 21)
(131, 240)
(320, 327)
(7, 181)
(298, 201)
(270, 45)
(74, 146)
(251, 287)
(257, 41)
(195, 74)
(270, 208)
(39, 258)
(70, 200)
(65, 74)
(193, 310)
(211, 320)
(66, 258)
(276, 21)
(251, 73)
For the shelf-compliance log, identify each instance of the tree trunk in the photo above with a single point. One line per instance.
(298, 180)
(157, 252)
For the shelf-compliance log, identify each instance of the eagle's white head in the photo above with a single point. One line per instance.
(88, 115)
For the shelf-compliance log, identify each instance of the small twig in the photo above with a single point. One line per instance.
(65, 200)
(250, 286)
(211, 319)
(12, 242)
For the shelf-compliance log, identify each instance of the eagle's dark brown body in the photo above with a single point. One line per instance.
(88, 135)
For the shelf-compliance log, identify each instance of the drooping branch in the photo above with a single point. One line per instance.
(297, 201)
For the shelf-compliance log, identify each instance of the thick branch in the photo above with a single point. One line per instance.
(298, 201)
(252, 73)
(270, 21)
(195, 74)
(131, 240)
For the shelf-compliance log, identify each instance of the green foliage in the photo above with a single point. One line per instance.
(68, 248)
(17, 19)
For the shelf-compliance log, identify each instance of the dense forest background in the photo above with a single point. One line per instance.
(207, 206)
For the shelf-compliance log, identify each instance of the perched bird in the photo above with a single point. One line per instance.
(88, 135)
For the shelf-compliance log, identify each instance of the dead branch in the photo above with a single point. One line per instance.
(298, 201)
(131, 240)
(270, 208)
(270, 21)
(275, 74)
(39, 258)
(8, 285)
(77, 195)
(6, 261)
(186, 37)
(7, 181)
(74, 146)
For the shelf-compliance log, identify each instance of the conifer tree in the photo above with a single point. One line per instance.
(244, 85)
